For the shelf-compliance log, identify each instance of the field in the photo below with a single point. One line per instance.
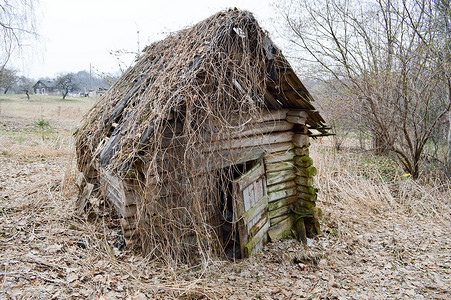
(385, 236)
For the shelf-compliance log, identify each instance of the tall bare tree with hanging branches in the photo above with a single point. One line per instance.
(387, 57)
(17, 26)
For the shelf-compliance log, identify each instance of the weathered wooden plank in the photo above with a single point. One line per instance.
(307, 205)
(303, 161)
(259, 244)
(301, 140)
(114, 189)
(281, 230)
(299, 228)
(83, 199)
(130, 211)
(279, 166)
(262, 128)
(241, 140)
(273, 115)
(278, 177)
(286, 155)
(307, 189)
(258, 225)
(301, 151)
(272, 138)
(283, 211)
(281, 202)
(296, 119)
(254, 213)
(270, 98)
(131, 197)
(305, 181)
(305, 172)
(298, 113)
(251, 176)
(277, 220)
(281, 186)
(256, 141)
(277, 147)
(253, 194)
(307, 197)
(274, 196)
(252, 152)
(256, 242)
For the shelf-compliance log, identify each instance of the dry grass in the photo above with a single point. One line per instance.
(361, 182)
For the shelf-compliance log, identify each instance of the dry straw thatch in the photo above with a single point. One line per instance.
(164, 125)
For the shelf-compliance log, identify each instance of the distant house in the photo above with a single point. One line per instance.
(99, 92)
(45, 87)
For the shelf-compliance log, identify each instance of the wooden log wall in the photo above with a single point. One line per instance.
(305, 212)
(281, 189)
(289, 179)
(289, 175)
(123, 196)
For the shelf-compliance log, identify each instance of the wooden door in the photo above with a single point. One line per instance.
(252, 209)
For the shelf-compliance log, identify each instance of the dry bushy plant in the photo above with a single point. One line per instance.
(348, 184)
(167, 118)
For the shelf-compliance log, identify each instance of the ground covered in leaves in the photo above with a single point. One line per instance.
(382, 238)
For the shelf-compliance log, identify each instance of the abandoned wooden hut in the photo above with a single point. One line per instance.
(202, 145)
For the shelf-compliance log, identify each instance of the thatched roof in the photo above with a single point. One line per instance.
(204, 76)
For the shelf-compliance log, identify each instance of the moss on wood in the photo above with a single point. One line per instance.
(307, 189)
(306, 172)
(303, 161)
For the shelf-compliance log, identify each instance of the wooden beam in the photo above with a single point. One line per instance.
(281, 186)
(301, 140)
(271, 100)
(280, 230)
(275, 196)
(262, 128)
(279, 166)
(251, 176)
(278, 177)
(296, 119)
(281, 203)
(279, 156)
(302, 113)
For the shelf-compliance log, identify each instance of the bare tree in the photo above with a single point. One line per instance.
(444, 25)
(7, 79)
(17, 24)
(338, 118)
(386, 56)
(66, 83)
(24, 85)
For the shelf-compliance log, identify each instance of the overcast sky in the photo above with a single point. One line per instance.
(74, 34)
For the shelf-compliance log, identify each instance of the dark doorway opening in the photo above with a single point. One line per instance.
(228, 219)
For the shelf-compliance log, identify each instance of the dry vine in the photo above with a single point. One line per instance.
(162, 125)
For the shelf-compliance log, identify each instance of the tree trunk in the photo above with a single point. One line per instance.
(379, 144)
(361, 140)
(448, 167)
